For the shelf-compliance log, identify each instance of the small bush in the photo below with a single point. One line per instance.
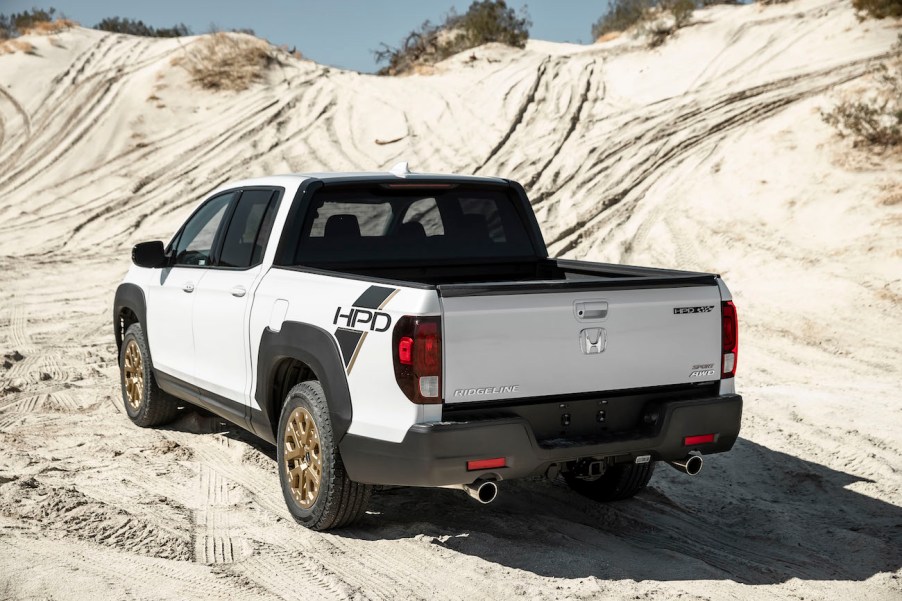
(421, 46)
(132, 27)
(14, 24)
(878, 9)
(681, 10)
(484, 22)
(655, 19)
(490, 21)
(34, 21)
(875, 120)
(227, 61)
(621, 15)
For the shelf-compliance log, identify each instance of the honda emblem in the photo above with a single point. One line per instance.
(592, 341)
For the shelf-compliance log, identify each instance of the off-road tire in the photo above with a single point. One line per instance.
(339, 501)
(156, 407)
(620, 481)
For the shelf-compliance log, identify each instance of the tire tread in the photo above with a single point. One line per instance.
(346, 500)
(158, 408)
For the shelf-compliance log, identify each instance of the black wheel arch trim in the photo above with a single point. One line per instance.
(129, 296)
(314, 347)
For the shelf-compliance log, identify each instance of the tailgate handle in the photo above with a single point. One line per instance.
(589, 310)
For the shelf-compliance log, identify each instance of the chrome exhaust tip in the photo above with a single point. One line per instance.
(691, 464)
(484, 491)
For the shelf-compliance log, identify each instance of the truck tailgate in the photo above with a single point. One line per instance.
(517, 345)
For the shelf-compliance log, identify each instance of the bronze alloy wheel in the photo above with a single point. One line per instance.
(303, 457)
(133, 372)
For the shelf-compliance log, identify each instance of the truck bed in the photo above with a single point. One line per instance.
(498, 277)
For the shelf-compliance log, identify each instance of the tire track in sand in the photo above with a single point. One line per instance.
(213, 542)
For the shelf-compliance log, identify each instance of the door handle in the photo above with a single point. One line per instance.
(588, 310)
(239, 291)
(188, 287)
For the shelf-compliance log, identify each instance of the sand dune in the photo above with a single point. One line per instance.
(706, 153)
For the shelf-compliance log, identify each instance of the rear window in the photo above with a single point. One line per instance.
(373, 224)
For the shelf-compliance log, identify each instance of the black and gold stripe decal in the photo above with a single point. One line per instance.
(375, 297)
(348, 342)
(351, 341)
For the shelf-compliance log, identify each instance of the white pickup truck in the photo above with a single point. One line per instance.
(410, 329)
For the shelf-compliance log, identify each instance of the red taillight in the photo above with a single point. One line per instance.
(486, 464)
(428, 349)
(729, 338)
(691, 441)
(405, 350)
(417, 350)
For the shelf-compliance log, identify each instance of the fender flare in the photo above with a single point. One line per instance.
(316, 348)
(129, 296)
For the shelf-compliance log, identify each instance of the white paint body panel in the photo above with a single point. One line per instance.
(170, 316)
(532, 341)
(221, 341)
(380, 409)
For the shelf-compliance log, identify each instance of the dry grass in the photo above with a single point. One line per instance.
(13, 46)
(609, 36)
(227, 61)
(292, 52)
(892, 195)
(49, 27)
(873, 118)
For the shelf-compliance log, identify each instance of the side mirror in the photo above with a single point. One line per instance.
(149, 254)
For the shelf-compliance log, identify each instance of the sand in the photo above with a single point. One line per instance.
(706, 153)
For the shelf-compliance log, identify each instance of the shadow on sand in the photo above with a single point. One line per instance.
(754, 515)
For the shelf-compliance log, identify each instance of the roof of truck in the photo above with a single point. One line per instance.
(398, 173)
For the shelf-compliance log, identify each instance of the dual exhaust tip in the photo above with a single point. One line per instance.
(486, 491)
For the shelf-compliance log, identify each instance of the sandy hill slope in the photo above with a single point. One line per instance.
(705, 153)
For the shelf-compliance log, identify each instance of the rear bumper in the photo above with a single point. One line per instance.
(436, 454)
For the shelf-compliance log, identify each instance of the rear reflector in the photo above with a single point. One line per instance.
(486, 464)
(729, 363)
(690, 441)
(429, 386)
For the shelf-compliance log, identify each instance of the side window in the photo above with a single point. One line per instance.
(245, 239)
(198, 237)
